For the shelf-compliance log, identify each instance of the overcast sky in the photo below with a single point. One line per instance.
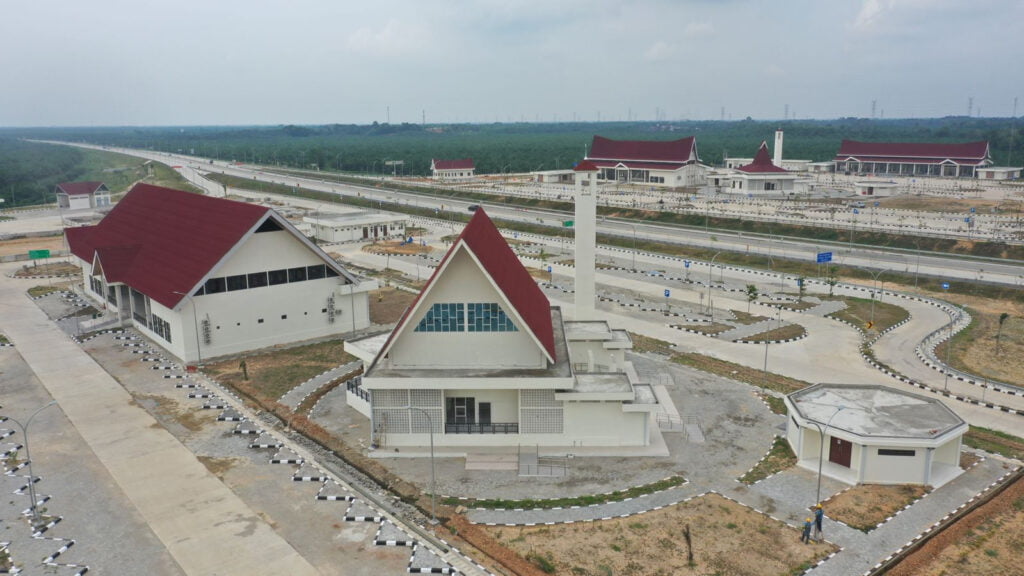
(130, 62)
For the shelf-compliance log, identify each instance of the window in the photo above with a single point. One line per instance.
(297, 274)
(316, 272)
(488, 317)
(161, 328)
(443, 318)
(284, 316)
(269, 225)
(331, 272)
(892, 452)
(237, 283)
(215, 285)
(259, 320)
(278, 277)
(257, 279)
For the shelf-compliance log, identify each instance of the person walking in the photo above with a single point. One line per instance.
(805, 537)
(818, 515)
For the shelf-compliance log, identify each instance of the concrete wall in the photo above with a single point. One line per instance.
(895, 469)
(464, 281)
(603, 424)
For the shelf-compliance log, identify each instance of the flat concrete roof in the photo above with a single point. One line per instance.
(869, 410)
(353, 219)
(587, 330)
(603, 383)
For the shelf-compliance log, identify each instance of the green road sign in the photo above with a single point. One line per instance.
(568, 224)
(37, 254)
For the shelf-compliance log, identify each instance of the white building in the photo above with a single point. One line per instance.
(461, 169)
(670, 163)
(912, 158)
(760, 176)
(79, 195)
(998, 173)
(481, 358)
(356, 226)
(874, 434)
(206, 277)
(878, 188)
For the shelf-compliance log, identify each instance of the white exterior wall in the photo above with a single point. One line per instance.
(895, 469)
(78, 202)
(463, 281)
(580, 353)
(603, 424)
(948, 453)
(504, 403)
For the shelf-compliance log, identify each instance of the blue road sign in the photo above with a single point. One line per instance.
(968, 219)
(824, 257)
(799, 281)
(972, 210)
(877, 203)
(667, 292)
(423, 242)
(515, 234)
(549, 268)
(855, 211)
(686, 263)
(945, 285)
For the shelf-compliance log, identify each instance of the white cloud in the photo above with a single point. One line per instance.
(698, 29)
(659, 51)
(393, 38)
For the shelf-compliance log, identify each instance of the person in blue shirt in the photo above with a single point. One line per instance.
(818, 515)
(805, 537)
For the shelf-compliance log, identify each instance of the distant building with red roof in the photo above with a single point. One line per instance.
(912, 158)
(760, 176)
(671, 163)
(206, 277)
(460, 169)
(80, 195)
(482, 358)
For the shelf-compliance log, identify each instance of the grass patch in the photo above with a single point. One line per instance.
(866, 506)
(787, 332)
(780, 457)
(975, 348)
(587, 500)
(4, 340)
(51, 269)
(775, 404)
(858, 313)
(747, 318)
(37, 291)
(273, 373)
(643, 344)
(741, 373)
(995, 442)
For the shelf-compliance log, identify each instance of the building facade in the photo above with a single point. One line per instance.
(912, 158)
(206, 277)
(761, 176)
(81, 195)
(461, 169)
(672, 164)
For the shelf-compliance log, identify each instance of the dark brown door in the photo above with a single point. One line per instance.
(839, 452)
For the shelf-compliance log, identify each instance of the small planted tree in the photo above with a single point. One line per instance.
(751, 295)
(999, 331)
(831, 279)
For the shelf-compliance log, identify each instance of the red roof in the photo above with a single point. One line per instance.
(682, 150)
(461, 164)
(161, 241)
(762, 163)
(632, 164)
(917, 152)
(586, 166)
(80, 188)
(482, 238)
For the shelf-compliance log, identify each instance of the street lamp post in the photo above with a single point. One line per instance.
(633, 226)
(821, 448)
(433, 477)
(195, 325)
(33, 508)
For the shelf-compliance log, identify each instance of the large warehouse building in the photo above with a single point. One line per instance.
(672, 163)
(206, 277)
(912, 158)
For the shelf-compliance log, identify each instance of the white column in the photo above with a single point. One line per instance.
(585, 226)
(778, 149)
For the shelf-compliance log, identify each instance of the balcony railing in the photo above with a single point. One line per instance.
(498, 428)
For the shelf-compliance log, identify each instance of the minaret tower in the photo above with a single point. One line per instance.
(778, 149)
(585, 226)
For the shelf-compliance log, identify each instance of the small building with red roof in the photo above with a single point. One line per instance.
(205, 277)
(82, 195)
(912, 158)
(460, 169)
(670, 163)
(482, 358)
(760, 176)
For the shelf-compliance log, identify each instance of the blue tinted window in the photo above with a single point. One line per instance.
(488, 317)
(447, 317)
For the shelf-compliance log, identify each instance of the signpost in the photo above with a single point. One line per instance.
(686, 265)
(667, 294)
(550, 275)
(38, 254)
(823, 258)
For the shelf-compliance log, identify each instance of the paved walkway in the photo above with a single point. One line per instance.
(295, 396)
(206, 528)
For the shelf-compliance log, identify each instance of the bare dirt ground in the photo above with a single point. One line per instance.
(388, 304)
(53, 268)
(942, 204)
(978, 353)
(23, 245)
(727, 538)
(986, 542)
(397, 247)
(271, 374)
(866, 506)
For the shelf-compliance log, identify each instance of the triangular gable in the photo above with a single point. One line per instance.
(285, 226)
(499, 264)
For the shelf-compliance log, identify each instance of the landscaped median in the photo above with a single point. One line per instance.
(568, 502)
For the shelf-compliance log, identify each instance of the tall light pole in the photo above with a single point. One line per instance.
(195, 324)
(711, 268)
(28, 460)
(633, 226)
(433, 477)
(821, 448)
